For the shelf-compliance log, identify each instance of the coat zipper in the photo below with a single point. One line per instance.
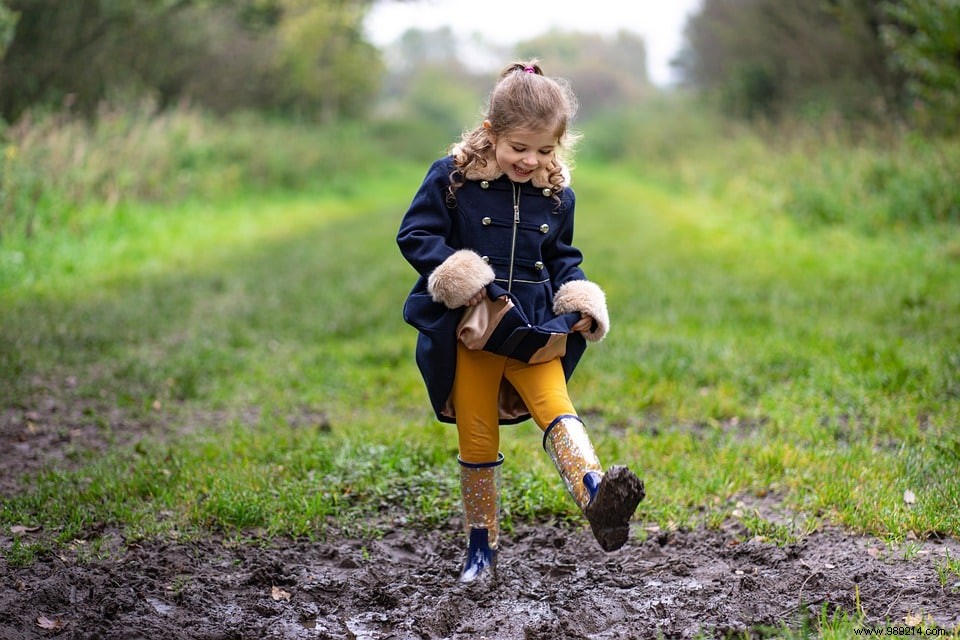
(513, 243)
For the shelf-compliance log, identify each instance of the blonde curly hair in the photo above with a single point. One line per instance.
(522, 99)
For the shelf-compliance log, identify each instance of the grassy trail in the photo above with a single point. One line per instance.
(748, 357)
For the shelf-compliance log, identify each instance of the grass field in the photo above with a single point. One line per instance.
(750, 355)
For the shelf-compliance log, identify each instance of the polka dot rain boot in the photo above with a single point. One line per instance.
(480, 491)
(607, 499)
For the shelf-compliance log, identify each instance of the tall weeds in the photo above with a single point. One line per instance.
(53, 166)
(816, 172)
(55, 169)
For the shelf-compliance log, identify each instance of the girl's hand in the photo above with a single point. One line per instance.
(584, 324)
(477, 298)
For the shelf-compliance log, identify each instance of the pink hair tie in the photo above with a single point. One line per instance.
(529, 70)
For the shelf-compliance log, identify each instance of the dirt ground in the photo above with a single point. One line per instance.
(553, 579)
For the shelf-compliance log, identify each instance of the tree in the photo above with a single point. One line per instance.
(329, 69)
(766, 57)
(924, 38)
(8, 25)
(223, 54)
(57, 52)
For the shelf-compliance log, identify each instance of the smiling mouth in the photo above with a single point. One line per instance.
(521, 171)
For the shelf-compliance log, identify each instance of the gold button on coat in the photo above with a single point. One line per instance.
(544, 228)
(538, 265)
(486, 221)
(547, 191)
(484, 184)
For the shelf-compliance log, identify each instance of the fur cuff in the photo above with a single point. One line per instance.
(586, 297)
(458, 278)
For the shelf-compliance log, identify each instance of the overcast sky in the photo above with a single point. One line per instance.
(505, 22)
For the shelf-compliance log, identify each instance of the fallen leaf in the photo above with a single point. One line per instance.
(46, 623)
(19, 529)
(913, 620)
(829, 566)
(909, 497)
(279, 594)
(873, 552)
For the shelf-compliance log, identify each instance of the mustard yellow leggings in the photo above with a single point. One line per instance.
(476, 386)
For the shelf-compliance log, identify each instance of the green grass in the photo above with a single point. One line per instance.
(750, 354)
(948, 572)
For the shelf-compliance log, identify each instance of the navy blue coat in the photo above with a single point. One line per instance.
(482, 219)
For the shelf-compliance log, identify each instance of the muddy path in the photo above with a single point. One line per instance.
(553, 579)
(553, 582)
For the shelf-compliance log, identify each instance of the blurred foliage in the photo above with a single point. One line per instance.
(52, 166)
(8, 25)
(429, 88)
(822, 173)
(104, 101)
(605, 72)
(325, 63)
(765, 58)
(924, 36)
(282, 56)
(861, 59)
(428, 78)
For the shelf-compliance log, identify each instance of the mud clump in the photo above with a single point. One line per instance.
(611, 510)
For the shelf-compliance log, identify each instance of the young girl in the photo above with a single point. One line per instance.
(503, 309)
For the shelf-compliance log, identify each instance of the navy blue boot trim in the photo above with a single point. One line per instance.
(481, 465)
(592, 481)
(565, 416)
(481, 559)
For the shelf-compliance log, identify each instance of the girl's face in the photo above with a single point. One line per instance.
(521, 152)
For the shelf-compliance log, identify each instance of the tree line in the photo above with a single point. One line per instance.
(300, 57)
(860, 59)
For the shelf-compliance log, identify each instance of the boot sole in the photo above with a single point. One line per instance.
(610, 511)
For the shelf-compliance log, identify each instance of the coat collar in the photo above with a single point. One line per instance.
(491, 171)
